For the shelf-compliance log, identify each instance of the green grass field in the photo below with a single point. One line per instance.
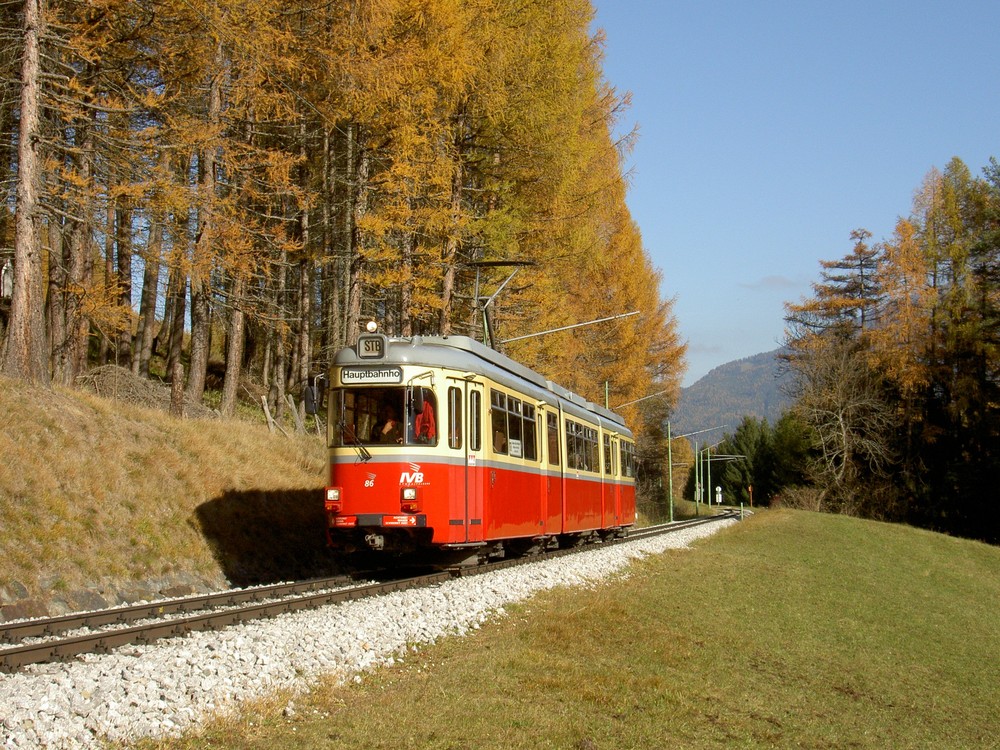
(791, 629)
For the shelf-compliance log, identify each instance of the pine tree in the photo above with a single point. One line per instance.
(847, 299)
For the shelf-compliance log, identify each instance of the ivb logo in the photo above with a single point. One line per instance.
(413, 476)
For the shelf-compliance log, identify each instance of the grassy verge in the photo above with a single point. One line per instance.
(93, 490)
(791, 629)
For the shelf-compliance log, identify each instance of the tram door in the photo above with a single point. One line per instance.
(552, 512)
(475, 470)
(612, 485)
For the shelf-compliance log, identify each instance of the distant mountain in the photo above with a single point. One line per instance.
(751, 386)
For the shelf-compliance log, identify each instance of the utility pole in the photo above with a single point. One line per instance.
(670, 472)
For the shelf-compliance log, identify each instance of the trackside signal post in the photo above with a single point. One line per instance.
(708, 463)
(697, 474)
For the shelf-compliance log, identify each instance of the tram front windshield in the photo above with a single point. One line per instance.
(397, 415)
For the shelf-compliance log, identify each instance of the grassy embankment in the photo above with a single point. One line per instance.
(94, 491)
(791, 629)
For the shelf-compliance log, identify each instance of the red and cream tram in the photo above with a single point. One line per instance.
(443, 443)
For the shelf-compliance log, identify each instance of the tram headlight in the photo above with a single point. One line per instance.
(408, 500)
(333, 500)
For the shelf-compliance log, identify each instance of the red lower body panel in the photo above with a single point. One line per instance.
(437, 502)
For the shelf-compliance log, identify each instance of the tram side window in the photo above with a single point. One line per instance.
(514, 443)
(593, 449)
(475, 421)
(513, 426)
(582, 450)
(552, 428)
(498, 421)
(577, 449)
(422, 424)
(454, 418)
(530, 434)
(609, 467)
(628, 459)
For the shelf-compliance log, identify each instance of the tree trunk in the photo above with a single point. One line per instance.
(55, 301)
(234, 349)
(303, 358)
(279, 381)
(161, 342)
(79, 270)
(450, 253)
(176, 298)
(109, 274)
(83, 266)
(330, 279)
(201, 265)
(147, 305)
(176, 274)
(200, 322)
(26, 350)
(305, 329)
(123, 243)
(305, 282)
(406, 288)
(357, 205)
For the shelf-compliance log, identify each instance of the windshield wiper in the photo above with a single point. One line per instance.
(349, 435)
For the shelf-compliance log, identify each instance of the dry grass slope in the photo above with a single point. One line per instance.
(101, 491)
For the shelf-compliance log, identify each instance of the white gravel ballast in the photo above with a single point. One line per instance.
(170, 686)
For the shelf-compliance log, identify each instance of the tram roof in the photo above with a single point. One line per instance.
(466, 354)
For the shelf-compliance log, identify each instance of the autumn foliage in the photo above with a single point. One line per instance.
(246, 182)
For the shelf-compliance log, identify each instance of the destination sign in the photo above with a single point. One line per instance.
(371, 347)
(355, 375)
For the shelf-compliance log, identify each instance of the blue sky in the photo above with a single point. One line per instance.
(768, 131)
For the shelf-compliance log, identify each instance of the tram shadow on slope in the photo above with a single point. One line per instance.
(262, 537)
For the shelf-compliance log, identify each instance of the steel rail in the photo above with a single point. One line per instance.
(15, 657)
(13, 632)
(103, 641)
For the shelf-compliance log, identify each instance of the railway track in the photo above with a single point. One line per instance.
(65, 637)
